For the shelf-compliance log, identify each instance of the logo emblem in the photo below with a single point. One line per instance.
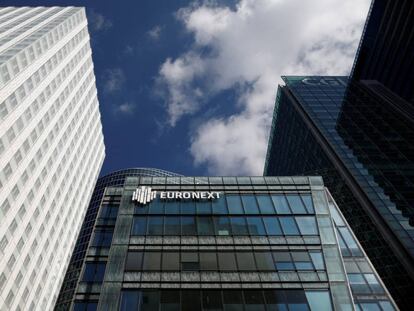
(144, 195)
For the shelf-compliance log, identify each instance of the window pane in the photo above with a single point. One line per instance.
(227, 261)
(109, 211)
(234, 204)
(288, 225)
(188, 225)
(152, 261)
(245, 261)
(281, 204)
(255, 226)
(264, 261)
(134, 261)
(203, 207)
(265, 204)
(208, 261)
(222, 225)
(307, 199)
(172, 225)
(205, 226)
(350, 242)
(319, 300)
(276, 300)
(219, 205)
(156, 207)
(239, 226)
(212, 300)
(296, 300)
(94, 272)
(155, 225)
(173, 207)
(317, 260)
(373, 283)
(130, 300)
(302, 261)
(150, 300)
(170, 300)
(188, 207)
(254, 300)
(139, 226)
(233, 300)
(250, 204)
(296, 204)
(283, 261)
(307, 225)
(171, 261)
(358, 283)
(272, 226)
(190, 300)
(102, 238)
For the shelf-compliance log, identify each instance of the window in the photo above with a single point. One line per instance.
(203, 207)
(307, 225)
(188, 225)
(319, 300)
(254, 300)
(227, 261)
(172, 226)
(189, 261)
(171, 261)
(212, 300)
(358, 283)
(170, 300)
(191, 300)
(317, 260)
(239, 226)
(94, 272)
(283, 261)
(265, 204)
(222, 225)
(245, 261)
(272, 226)
(85, 306)
(255, 226)
(130, 300)
(155, 225)
(152, 261)
(296, 204)
(205, 226)
(156, 207)
(233, 300)
(264, 261)
(139, 226)
(102, 238)
(250, 204)
(289, 226)
(307, 200)
(302, 261)
(219, 206)
(234, 204)
(188, 207)
(150, 300)
(134, 261)
(208, 261)
(281, 204)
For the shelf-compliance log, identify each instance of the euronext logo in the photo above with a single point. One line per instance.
(145, 194)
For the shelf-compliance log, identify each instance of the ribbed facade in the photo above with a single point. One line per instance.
(114, 179)
(51, 148)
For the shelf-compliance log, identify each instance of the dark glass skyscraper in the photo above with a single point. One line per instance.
(362, 147)
(115, 179)
(225, 243)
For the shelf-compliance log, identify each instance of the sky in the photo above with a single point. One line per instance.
(190, 86)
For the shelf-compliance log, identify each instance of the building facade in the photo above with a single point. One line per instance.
(114, 179)
(51, 148)
(225, 243)
(362, 147)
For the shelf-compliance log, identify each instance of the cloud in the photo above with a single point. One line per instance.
(98, 22)
(126, 108)
(249, 48)
(114, 80)
(155, 32)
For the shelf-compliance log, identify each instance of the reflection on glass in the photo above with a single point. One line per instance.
(281, 204)
(250, 204)
(288, 225)
(296, 204)
(256, 226)
(234, 204)
(307, 225)
(265, 204)
(238, 226)
(222, 225)
(272, 226)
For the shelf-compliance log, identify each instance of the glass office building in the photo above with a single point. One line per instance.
(114, 179)
(51, 148)
(362, 147)
(225, 243)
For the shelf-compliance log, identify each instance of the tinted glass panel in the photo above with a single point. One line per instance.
(109, 211)
(254, 300)
(155, 225)
(219, 205)
(227, 261)
(250, 204)
(203, 207)
(139, 226)
(205, 226)
(255, 225)
(319, 300)
(152, 261)
(190, 300)
(188, 225)
(170, 300)
(171, 261)
(232, 300)
(172, 225)
(296, 204)
(307, 200)
(281, 204)
(272, 226)
(173, 207)
(317, 260)
(307, 225)
(188, 207)
(239, 226)
(212, 300)
(102, 238)
(208, 261)
(264, 261)
(94, 272)
(150, 300)
(245, 261)
(156, 207)
(130, 300)
(222, 225)
(265, 204)
(288, 225)
(134, 261)
(234, 204)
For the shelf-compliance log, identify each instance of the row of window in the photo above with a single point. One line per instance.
(234, 204)
(224, 225)
(224, 261)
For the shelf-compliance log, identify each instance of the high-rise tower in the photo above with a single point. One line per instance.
(51, 148)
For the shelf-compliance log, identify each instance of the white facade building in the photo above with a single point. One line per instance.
(51, 148)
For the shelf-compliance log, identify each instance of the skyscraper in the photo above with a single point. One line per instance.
(362, 147)
(51, 148)
(225, 243)
(114, 179)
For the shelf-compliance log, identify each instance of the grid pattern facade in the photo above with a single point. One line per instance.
(114, 179)
(265, 243)
(51, 148)
(353, 139)
(386, 49)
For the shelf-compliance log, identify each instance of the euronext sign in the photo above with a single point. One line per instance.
(145, 194)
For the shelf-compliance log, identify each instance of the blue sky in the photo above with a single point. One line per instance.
(190, 86)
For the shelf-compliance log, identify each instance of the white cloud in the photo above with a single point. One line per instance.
(98, 22)
(114, 80)
(251, 47)
(126, 108)
(155, 32)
